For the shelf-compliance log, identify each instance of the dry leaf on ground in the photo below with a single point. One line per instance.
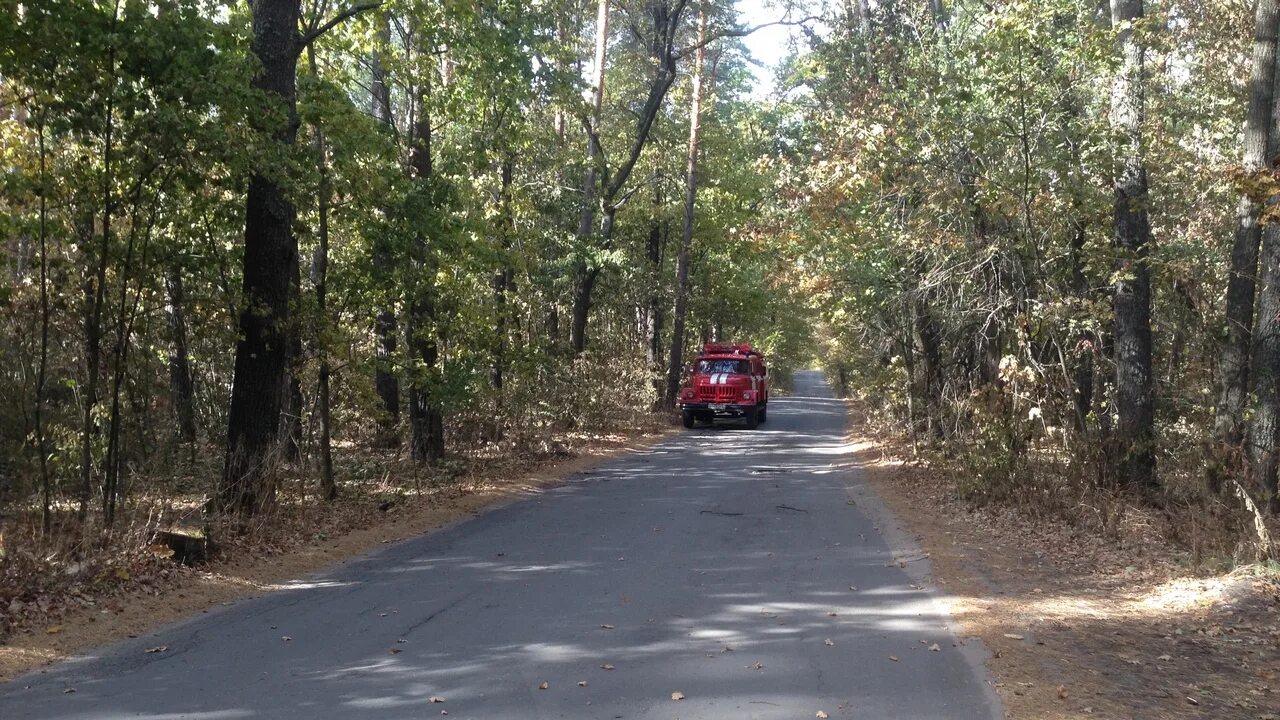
(677, 695)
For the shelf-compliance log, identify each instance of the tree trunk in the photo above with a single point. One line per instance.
(585, 273)
(386, 327)
(653, 316)
(1082, 373)
(926, 336)
(503, 285)
(1264, 427)
(426, 422)
(270, 253)
(181, 386)
(1241, 280)
(292, 402)
(46, 490)
(320, 279)
(1135, 401)
(95, 292)
(679, 316)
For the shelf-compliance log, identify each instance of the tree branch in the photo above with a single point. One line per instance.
(346, 14)
(742, 32)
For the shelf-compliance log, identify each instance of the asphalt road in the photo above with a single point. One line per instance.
(718, 565)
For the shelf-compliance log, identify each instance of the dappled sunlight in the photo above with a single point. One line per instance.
(732, 566)
(305, 585)
(211, 715)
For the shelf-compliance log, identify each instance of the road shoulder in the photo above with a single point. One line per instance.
(1078, 626)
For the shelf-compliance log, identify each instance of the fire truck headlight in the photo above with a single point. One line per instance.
(688, 393)
(748, 394)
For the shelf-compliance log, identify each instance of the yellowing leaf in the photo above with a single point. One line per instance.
(54, 629)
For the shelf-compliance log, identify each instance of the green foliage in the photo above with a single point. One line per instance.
(150, 129)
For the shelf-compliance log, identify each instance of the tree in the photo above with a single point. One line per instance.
(613, 180)
(679, 315)
(1259, 147)
(270, 264)
(1135, 394)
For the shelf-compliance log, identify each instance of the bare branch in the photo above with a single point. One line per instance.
(742, 32)
(334, 21)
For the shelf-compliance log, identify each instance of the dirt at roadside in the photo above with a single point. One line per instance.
(173, 593)
(1078, 628)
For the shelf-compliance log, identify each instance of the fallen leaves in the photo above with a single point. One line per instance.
(158, 649)
(606, 666)
(677, 695)
(1014, 636)
(821, 715)
(894, 658)
(544, 685)
(436, 699)
(934, 648)
(54, 629)
(828, 642)
(161, 551)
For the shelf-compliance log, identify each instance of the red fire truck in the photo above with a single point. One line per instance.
(726, 381)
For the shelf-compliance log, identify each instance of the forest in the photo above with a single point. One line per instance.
(256, 254)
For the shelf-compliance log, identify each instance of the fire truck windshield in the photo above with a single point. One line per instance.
(722, 365)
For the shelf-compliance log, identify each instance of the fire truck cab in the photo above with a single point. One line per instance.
(726, 381)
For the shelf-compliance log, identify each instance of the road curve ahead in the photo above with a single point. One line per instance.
(720, 565)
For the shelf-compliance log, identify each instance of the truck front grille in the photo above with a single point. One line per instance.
(718, 393)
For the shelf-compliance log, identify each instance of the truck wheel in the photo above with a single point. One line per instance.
(763, 413)
(686, 417)
(753, 419)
